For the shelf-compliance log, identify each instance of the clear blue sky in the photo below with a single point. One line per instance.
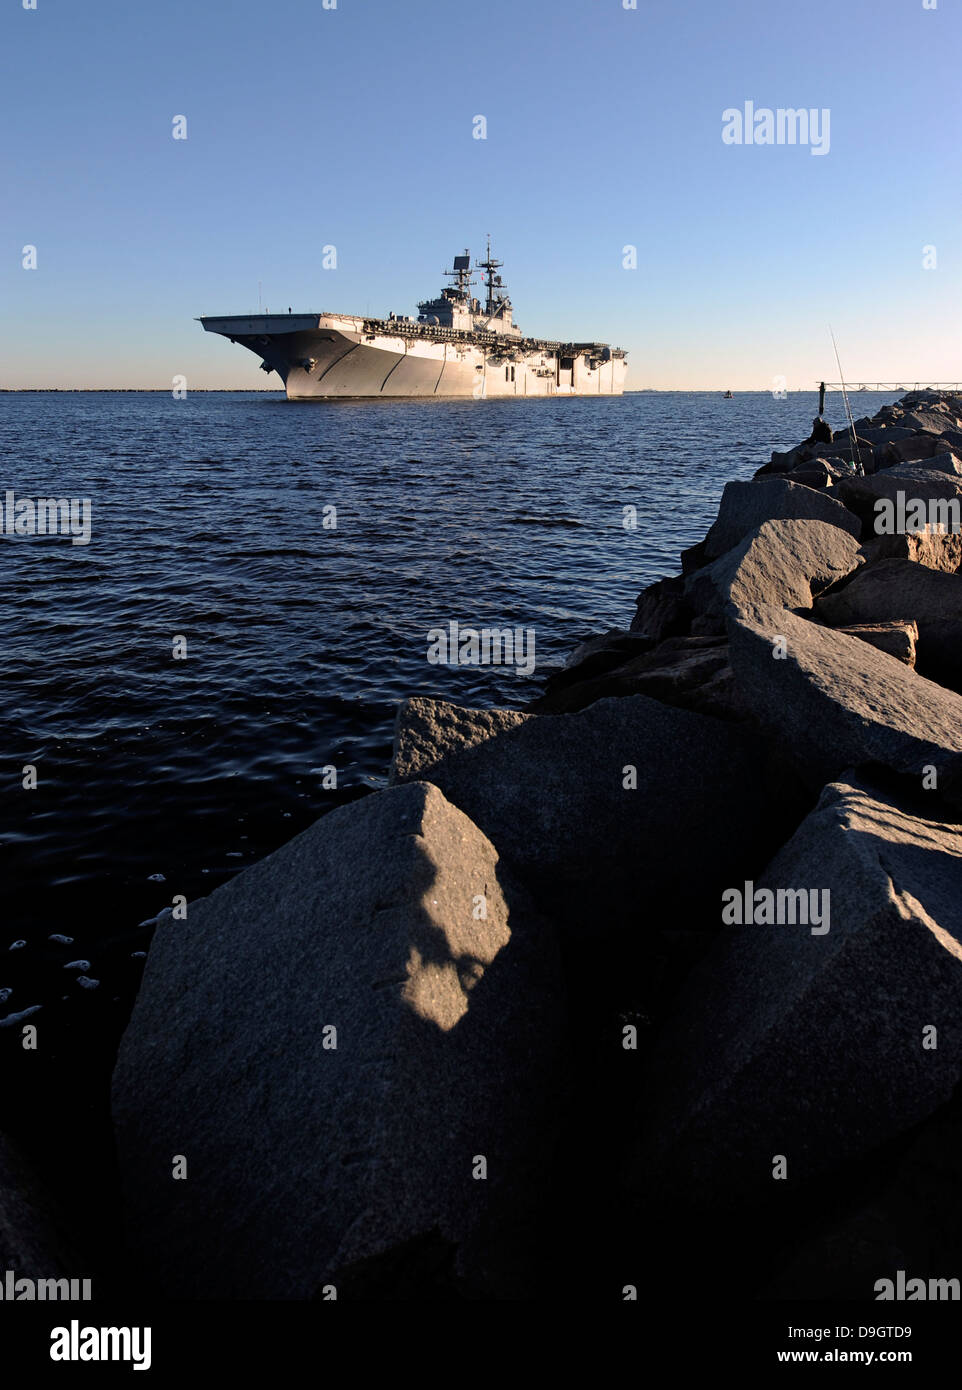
(353, 127)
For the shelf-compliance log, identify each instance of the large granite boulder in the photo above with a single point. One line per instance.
(914, 448)
(880, 433)
(693, 558)
(311, 1164)
(586, 807)
(943, 460)
(899, 639)
(783, 564)
(783, 460)
(834, 702)
(690, 672)
(606, 650)
(662, 610)
(934, 549)
(32, 1241)
(939, 656)
(809, 1036)
(819, 473)
(589, 663)
(841, 450)
(894, 589)
(745, 506)
(946, 461)
(911, 1221)
(933, 421)
(902, 484)
(900, 589)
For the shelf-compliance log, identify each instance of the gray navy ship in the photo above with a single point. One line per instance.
(453, 348)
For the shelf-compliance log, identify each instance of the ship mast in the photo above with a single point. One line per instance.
(492, 281)
(462, 273)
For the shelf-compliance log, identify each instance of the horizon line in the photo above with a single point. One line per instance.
(632, 391)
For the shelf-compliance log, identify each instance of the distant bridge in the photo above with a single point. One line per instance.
(892, 385)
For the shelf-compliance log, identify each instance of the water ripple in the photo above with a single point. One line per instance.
(209, 523)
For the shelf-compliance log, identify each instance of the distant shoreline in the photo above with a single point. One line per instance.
(133, 390)
(261, 391)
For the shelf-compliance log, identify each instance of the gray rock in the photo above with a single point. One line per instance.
(588, 665)
(881, 434)
(862, 495)
(917, 446)
(309, 1165)
(901, 589)
(830, 469)
(616, 644)
(833, 702)
(929, 421)
(882, 458)
(818, 474)
(809, 1044)
(942, 457)
(782, 461)
(922, 470)
(782, 565)
(937, 551)
(689, 672)
(943, 461)
(745, 506)
(662, 610)
(549, 791)
(841, 449)
(31, 1241)
(693, 558)
(912, 1222)
(931, 398)
(845, 1258)
(899, 639)
(940, 654)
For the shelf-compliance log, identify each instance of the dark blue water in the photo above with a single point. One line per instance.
(158, 776)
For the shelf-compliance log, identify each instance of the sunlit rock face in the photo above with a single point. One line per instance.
(342, 1061)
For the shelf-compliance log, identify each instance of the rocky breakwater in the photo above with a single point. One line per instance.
(659, 978)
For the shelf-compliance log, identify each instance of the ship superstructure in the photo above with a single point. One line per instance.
(455, 347)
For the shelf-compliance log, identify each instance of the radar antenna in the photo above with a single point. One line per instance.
(462, 274)
(497, 293)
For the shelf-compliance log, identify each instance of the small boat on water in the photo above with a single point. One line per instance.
(728, 396)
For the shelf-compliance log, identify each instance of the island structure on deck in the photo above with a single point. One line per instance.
(453, 348)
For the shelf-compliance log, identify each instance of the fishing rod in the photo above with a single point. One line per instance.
(856, 451)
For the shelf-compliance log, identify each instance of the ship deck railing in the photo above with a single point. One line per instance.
(438, 333)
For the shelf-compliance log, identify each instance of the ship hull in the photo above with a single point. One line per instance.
(336, 357)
